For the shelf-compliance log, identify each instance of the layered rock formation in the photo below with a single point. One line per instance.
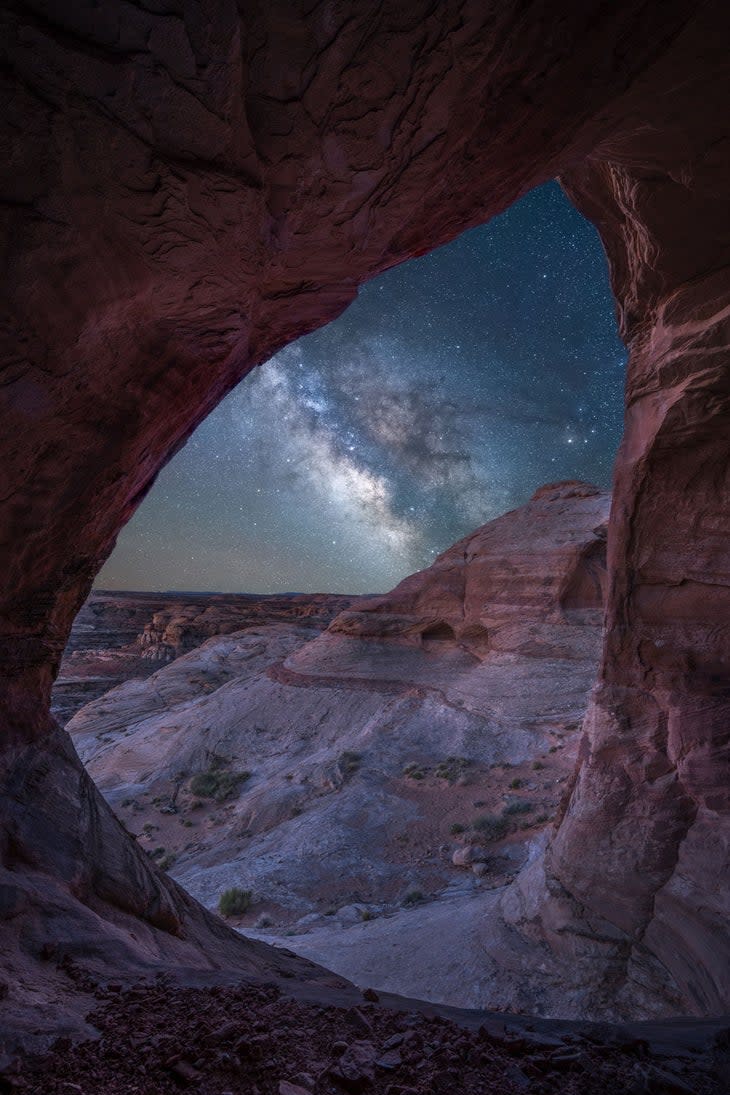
(121, 635)
(185, 192)
(420, 746)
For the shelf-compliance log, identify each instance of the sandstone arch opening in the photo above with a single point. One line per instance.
(196, 237)
(254, 733)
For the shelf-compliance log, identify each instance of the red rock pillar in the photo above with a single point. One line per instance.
(644, 844)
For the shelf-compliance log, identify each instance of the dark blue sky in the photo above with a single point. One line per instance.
(451, 389)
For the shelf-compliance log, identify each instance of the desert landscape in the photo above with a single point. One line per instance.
(471, 834)
(382, 783)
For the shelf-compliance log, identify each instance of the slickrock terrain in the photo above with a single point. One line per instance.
(121, 635)
(376, 788)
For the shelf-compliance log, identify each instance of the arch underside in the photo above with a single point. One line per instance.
(181, 199)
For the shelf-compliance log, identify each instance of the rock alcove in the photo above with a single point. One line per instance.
(186, 194)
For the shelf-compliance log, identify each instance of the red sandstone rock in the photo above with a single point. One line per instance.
(183, 194)
(121, 635)
(509, 586)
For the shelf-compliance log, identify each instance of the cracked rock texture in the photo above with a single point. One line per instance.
(186, 189)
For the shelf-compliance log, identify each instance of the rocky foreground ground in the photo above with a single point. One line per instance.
(159, 1039)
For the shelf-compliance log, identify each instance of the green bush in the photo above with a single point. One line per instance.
(491, 827)
(413, 770)
(457, 828)
(517, 808)
(217, 783)
(516, 784)
(348, 762)
(413, 897)
(452, 768)
(538, 766)
(234, 902)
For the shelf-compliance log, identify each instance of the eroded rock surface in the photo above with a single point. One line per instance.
(121, 635)
(377, 787)
(185, 191)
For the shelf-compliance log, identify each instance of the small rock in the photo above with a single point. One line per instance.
(661, 1082)
(467, 856)
(355, 1069)
(517, 1077)
(390, 1061)
(184, 1073)
(305, 1080)
(360, 1020)
(480, 869)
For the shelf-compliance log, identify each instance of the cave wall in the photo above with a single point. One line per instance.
(645, 842)
(190, 188)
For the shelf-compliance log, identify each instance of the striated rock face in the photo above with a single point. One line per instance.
(184, 193)
(182, 626)
(333, 776)
(509, 586)
(121, 635)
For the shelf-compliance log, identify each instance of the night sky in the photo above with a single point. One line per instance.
(453, 387)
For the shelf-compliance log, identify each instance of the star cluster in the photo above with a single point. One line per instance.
(452, 388)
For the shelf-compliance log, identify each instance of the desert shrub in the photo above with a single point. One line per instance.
(553, 749)
(366, 915)
(491, 827)
(413, 770)
(457, 828)
(234, 902)
(413, 897)
(515, 784)
(517, 808)
(541, 819)
(167, 861)
(217, 783)
(538, 766)
(348, 762)
(452, 768)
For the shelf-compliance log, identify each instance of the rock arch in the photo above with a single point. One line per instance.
(183, 196)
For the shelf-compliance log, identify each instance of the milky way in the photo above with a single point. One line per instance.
(451, 389)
